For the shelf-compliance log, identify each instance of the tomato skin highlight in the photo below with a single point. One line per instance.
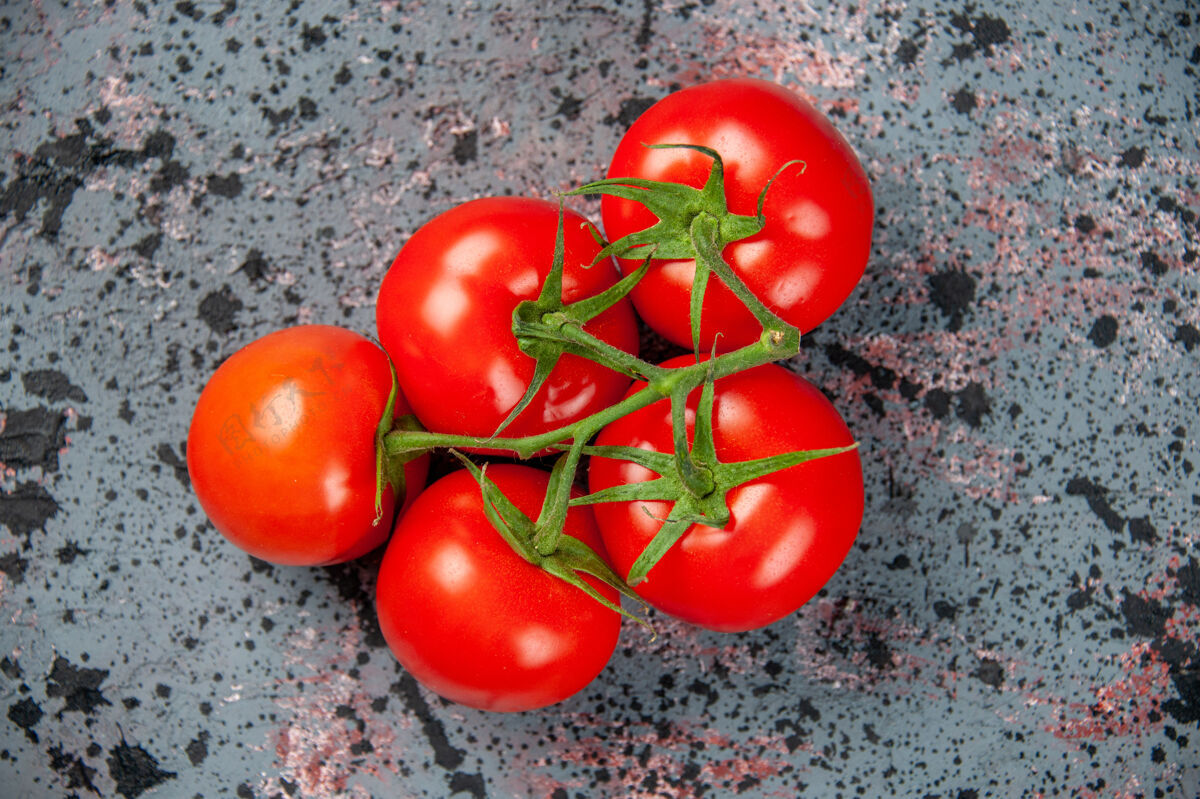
(789, 531)
(444, 314)
(473, 621)
(814, 247)
(281, 448)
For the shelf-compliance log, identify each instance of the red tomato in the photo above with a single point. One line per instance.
(789, 531)
(281, 450)
(472, 620)
(445, 316)
(814, 246)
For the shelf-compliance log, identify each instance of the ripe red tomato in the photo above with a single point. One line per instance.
(281, 449)
(789, 531)
(812, 251)
(472, 620)
(445, 308)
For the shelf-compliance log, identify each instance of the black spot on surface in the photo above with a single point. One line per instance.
(135, 770)
(1142, 531)
(952, 291)
(55, 171)
(973, 404)
(52, 385)
(989, 672)
(569, 107)
(1085, 224)
(27, 508)
(68, 552)
(945, 610)
(73, 770)
(188, 9)
(631, 109)
(343, 75)
(881, 376)
(312, 36)
(1104, 331)
(1186, 708)
(878, 653)
(986, 32)
(937, 402)
(13, 566)
(218, 309)
(171, 174)
(78, 685)
(228, 186)
(167, 455)
(1097, 499)
(466, 146)
(445, 754)
(468, 783)
(964, 101)
(148, 245)
(1144, 617)
(1133, 157)
(907, 52)
(256, 267)
(197, 748)
(1187, 335)
(1153, 264)
(26, 714)
(1188, 577)
(32, 438)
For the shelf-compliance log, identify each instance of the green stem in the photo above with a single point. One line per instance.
(662, 383)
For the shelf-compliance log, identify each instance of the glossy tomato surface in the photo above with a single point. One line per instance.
(473, 621)
(814, 246)
(789, 531)
(281, 449)
(444, 314)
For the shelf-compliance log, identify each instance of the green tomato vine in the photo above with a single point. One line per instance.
(694, 224)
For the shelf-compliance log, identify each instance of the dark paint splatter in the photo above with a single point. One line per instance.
(990, 672)
(228, 186)
(964, 101)
(1097, 499)
(1104, 331)
(1144, 617)
(74, 771)
(135, 770)
(1188, 335)
(13, 566)
(26, 714)
(52, 385)
(79, 686)
(445, 755)
(32, 438)
(167, 455)
(973, 404)
(952, 292)
(27, 508)
(218, 310)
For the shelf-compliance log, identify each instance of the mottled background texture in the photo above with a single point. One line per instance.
(1020, 615)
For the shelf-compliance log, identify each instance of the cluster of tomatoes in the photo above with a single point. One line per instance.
(289, 451)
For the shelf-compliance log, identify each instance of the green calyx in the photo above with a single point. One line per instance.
(692, 477)
(389, 466)
(568, 558)
(694, 224)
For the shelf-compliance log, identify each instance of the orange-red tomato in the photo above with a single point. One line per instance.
(812, 251)
(281, 450)
(789, 531)
(472, 620)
